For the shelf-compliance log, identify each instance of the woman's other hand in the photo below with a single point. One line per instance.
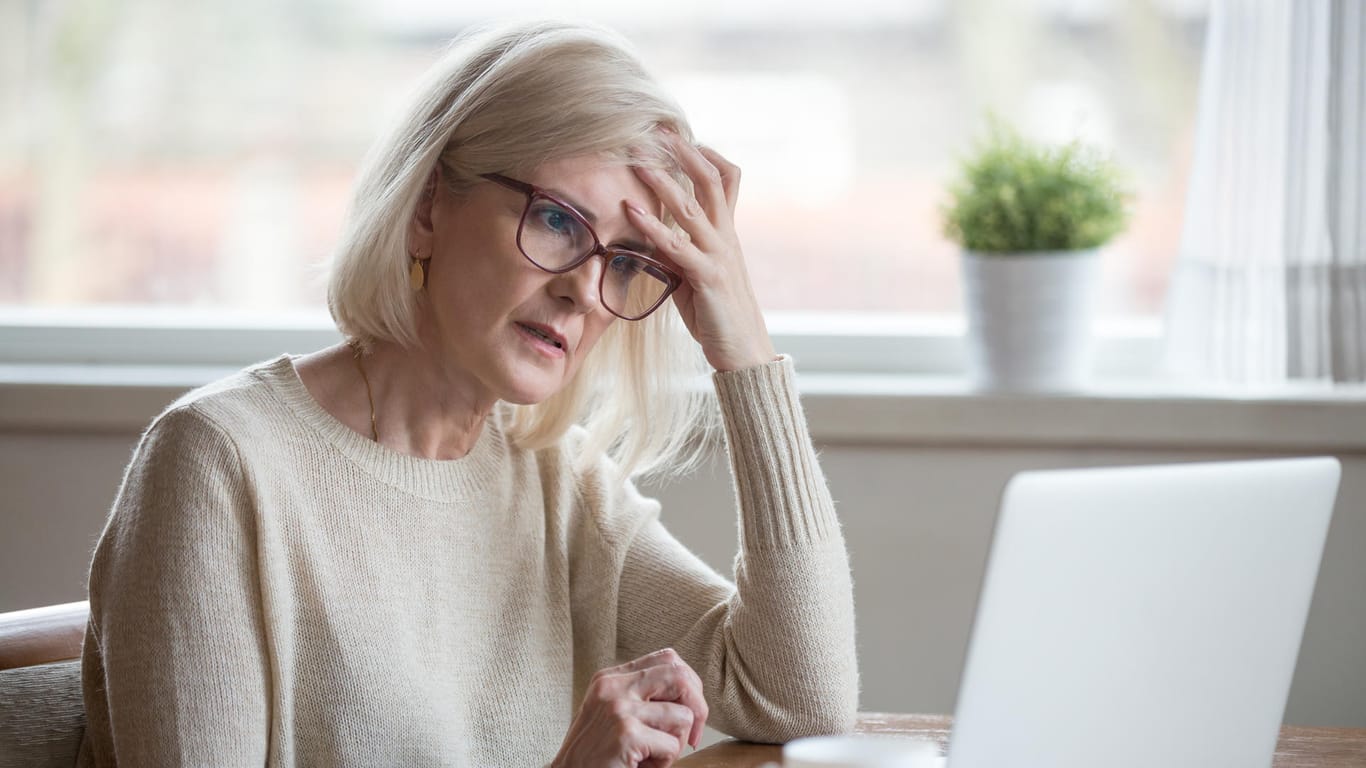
(716, 300)
(641, 713)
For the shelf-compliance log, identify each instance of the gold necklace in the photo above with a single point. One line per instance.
(355, 348)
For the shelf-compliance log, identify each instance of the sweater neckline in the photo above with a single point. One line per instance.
(440, 479)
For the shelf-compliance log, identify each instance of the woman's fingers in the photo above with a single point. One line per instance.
(665, 676)
(651, 748)
(640, 713)
(661, 656)
(705, 216)
(669, 717)
(674, 244)
(675, 683)
(730, 175)
(690, 215)
(707, 179)
(662, 676)
(717, 302)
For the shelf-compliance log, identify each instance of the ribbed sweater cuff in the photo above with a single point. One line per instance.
(784, 502)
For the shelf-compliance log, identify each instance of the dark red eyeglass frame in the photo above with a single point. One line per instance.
(672, 279)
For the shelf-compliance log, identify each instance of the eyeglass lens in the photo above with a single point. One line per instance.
(555, 238)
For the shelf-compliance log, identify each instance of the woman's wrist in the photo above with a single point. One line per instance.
(751, 364)
(761, 353)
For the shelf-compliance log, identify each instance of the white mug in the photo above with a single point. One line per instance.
(858, 751)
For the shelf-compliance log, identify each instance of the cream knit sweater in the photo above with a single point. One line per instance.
(275, 589)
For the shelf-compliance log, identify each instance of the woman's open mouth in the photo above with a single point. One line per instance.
(545, 342)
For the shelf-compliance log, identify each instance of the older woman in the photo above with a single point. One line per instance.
(422, 546)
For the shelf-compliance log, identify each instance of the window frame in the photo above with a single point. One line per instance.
(898, 383)
(852, 343)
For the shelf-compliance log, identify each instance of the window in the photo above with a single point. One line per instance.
(188, 155)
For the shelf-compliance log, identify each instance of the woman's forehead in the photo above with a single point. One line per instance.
(594, 184)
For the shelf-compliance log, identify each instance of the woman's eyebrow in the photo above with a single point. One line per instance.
(639, 246)
(587, 214)
(635, 245)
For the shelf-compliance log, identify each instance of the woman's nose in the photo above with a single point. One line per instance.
(580, 285)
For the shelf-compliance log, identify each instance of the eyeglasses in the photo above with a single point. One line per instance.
(557, 238)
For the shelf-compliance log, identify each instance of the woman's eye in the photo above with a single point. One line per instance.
(625, 265)
(558, 220)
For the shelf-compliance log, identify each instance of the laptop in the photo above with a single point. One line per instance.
(1143, 616)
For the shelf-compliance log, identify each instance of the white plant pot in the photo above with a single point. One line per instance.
(1029, 319)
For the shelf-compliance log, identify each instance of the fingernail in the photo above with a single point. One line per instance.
(635, 208)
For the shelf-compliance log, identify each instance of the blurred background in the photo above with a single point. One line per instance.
(188, 165)
(158, 153)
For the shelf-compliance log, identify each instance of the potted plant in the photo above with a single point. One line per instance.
(1031, 219)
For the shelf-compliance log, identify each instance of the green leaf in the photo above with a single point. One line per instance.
(1017, 196)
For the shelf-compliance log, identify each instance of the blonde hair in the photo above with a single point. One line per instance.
(506, 100)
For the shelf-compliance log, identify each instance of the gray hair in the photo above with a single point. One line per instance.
(506, 100)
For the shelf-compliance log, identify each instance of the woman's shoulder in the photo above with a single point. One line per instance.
(236, 404)
(600, 492)
(563, 457)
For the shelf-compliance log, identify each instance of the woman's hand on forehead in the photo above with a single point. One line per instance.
(716, 300)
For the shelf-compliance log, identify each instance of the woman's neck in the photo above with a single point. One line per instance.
(420, 408)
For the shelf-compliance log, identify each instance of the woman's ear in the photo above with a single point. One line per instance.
(420, 229)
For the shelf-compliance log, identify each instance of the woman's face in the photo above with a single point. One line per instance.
(488, 308)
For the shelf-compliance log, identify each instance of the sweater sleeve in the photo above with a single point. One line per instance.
(775, 650)
(174, 663)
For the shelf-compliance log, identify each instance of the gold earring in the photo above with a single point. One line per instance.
(417, 273)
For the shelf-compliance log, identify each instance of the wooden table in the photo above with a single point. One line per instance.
(1298, 747)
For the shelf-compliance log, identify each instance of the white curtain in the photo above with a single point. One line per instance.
(1270, 282)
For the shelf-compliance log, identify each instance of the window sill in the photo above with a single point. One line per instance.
(1117, 413)
(865, 408)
